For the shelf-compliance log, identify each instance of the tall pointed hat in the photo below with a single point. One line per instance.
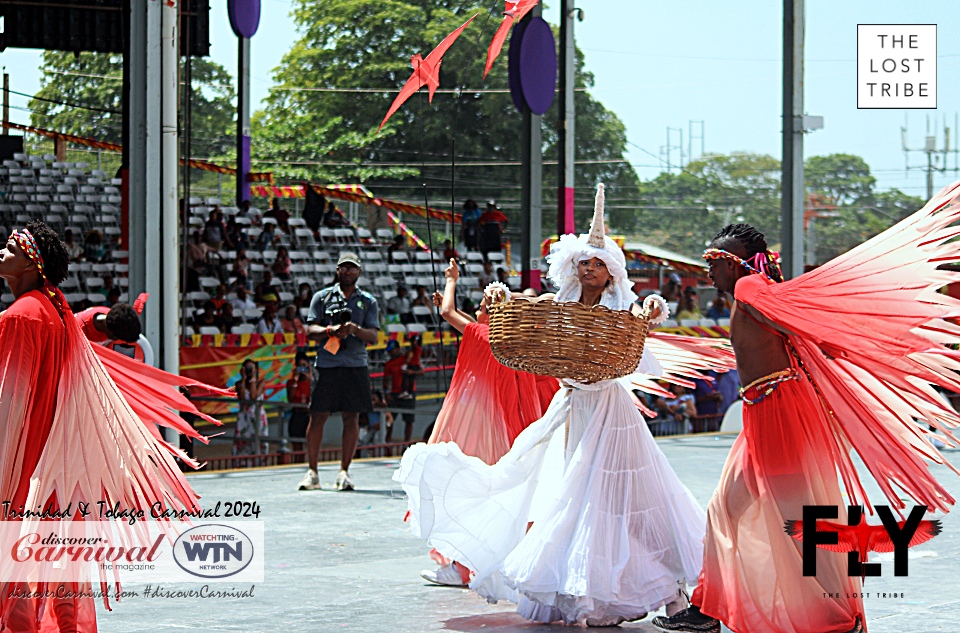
(597, 227)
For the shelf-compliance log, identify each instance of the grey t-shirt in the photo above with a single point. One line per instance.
(324, 308)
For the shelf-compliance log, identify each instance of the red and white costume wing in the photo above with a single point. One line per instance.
(870, 328)
(103, 447)
(684, 359)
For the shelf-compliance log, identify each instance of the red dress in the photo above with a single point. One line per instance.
(488, 405)
(71, 434)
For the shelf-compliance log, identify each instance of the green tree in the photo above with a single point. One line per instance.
(844, 178)
(92, 81)
(682, 212)
(330, 134)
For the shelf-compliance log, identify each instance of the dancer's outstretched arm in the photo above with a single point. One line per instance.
(448, 307)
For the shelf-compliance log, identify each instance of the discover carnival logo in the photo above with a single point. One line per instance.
(213, 551)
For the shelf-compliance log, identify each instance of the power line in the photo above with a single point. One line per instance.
(65, 103)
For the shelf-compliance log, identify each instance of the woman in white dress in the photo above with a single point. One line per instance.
(583, 520)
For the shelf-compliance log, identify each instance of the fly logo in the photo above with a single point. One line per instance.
(213, 551)
(858, 538)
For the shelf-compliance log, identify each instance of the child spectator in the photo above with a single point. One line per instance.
(281, 265)
(412, 368)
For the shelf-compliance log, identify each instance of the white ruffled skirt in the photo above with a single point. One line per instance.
(614, 531)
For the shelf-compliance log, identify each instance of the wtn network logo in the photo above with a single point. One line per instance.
(857, 538)
(213, 551)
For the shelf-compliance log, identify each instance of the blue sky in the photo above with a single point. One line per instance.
(664, 64)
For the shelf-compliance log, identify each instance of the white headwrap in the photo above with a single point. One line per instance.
(571, 250)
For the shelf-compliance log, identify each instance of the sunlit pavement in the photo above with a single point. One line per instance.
(345, 561)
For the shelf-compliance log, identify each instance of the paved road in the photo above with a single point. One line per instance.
(346, 562)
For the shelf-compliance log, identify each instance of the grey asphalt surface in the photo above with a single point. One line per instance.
(340, 561)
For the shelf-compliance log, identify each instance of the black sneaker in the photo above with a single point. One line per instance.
(857, 627)
(689, 620)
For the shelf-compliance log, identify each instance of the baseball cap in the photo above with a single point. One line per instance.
(349, 258)
(675, 278)
(392, 345)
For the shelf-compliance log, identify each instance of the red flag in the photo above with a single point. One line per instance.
(426, 72)
(515, 11)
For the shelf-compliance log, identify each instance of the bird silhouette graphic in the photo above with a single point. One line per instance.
(863, 537)
(426, 72)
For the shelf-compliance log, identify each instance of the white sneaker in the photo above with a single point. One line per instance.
(310, 481)
(446, 575)
(343, 481)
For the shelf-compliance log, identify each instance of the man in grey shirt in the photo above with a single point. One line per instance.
(344, 319)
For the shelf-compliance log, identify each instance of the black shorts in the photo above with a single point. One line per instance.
(342, 390)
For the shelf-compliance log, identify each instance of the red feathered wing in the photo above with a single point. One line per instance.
(426, 72)
(515, 11)
(878, 540)
(877, 313)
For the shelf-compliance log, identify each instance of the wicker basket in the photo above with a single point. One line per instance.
(567, 340)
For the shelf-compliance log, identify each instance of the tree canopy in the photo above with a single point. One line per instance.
(337, 81)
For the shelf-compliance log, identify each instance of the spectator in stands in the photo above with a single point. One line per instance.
(243, 300)
(197, 253)
(413, 367)
(291, 321)
(299, 388)
(207, 318)
(113, 297)
(502, 276)
(268, 237)
(214, 231)
(449, 252)
(394, 371)
(247, 211)
(236, 237)
(279, 214)
(251, 417)
(492, 225)
(241, 263)
(680, 408)
(265, 287)
(487, 276)
(728, 384)
(343, 382)
(719, 309)
(93, 248)
(689, 307)
(376, 418)
(333, 218)
(281, 265)
(269, 323)
(227, 320)
(396, 247)
(304, 294)
(671, 289)
(74, 250)
(707, 400)
(400, 306)
(470, 225)
(220, 296)
(422, 299)
(107, 286)
(242, 281)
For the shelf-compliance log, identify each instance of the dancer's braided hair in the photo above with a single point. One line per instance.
(753, 243)
(53, 251)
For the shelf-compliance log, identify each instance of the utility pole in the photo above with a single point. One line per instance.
(792, 185)
(6, 102)
(531, 192)
(566, 124)
(937, 159)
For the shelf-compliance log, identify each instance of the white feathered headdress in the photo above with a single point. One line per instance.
(571, 249)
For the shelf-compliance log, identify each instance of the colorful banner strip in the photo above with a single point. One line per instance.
(116, 147)
(412, 238)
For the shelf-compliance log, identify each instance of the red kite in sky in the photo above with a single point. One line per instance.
(426, 72)
(516, 9)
